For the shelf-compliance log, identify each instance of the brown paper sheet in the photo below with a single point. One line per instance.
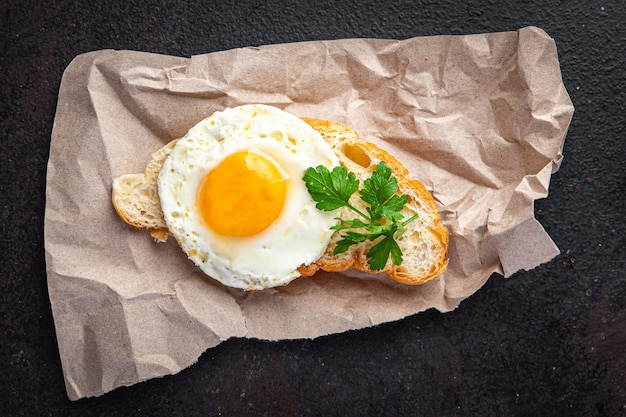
(479, 119)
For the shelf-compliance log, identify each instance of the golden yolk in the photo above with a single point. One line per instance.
(242, 196)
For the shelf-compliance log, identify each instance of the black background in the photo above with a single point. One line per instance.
(548, 342)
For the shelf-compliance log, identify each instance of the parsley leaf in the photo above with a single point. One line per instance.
(332, 190)
(348, 239)
(379, 253)
(379, 187)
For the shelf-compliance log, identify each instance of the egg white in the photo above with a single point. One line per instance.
(301, 233)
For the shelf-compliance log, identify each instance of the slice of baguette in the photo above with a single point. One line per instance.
(424, 244)
(136, 198)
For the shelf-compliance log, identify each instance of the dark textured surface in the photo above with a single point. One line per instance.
(548, 342)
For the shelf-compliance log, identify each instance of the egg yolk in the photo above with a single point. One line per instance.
(243, 195)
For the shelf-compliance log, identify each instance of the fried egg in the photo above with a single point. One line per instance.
(233, 197)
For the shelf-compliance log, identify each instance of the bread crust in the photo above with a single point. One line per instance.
(136, 201)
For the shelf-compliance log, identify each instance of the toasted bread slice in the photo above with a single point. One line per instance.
(136, 197)
(424, 244)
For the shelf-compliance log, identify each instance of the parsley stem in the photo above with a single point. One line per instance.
(409, 220)
(359, 212)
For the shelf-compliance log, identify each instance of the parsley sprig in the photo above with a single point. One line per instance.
(332, 190)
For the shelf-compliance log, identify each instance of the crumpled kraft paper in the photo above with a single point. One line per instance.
(479, 119)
